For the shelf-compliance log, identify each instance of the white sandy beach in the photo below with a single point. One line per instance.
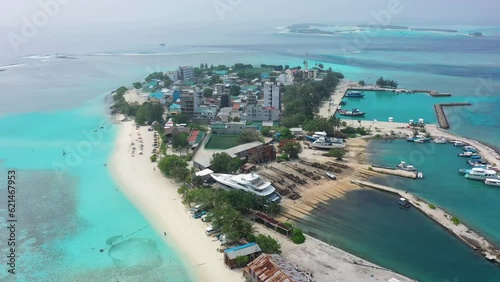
(157, 199)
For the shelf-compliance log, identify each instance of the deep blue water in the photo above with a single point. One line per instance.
(47, 103)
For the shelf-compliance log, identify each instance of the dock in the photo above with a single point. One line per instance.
(434, 93)
(445, 220)
(393, 171)
(441, 115)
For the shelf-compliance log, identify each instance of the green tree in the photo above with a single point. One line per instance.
(266, 132)
(268, 244)
(362, 83)
(297, 236)
(214, 79)
(224, 163)
(180, 141)
(337, 153)
(242, 261)
(180, 118)
(137, 85)
(208, 92)
(149, 112)
(236, 119)
(174, 166)
(197, 72)
(321, 66)
(292, 149)
(319, 124)
(286, 134)
(248, 136)
(234, 90)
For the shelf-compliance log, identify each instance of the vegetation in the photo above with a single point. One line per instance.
(240, 66)
(297, 236)
(432, 207)
(387, 83)
(362, 83)
(337, 153)
(153, 158)
(455, 220)
(180, 118)
(268, 244)
(224, 163)
(349, 130)
(267, 132)
(214, 79)
(242, 261)
(120, 105)
(137, 85)
(174, 166)
(208, 92)
(234, 90)
(320, 124)
(292, 149)
(303, 101)
(180, 141)
(286, 134)
(248, 136)
(149, 112)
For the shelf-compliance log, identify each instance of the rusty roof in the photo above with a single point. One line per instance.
(272, 267)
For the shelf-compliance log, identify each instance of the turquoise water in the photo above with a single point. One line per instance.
(370, 224)
(471, 201)
(69, 208)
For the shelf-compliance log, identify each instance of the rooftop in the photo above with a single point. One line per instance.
(243, 250)
(271, 267)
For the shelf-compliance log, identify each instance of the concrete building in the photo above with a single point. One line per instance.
(225, 101)
(230, 128)
(188, 102)
(250, 250)
(173, 75)
(186, 72)
(260, 113)
(205, 114)
(272, 267)
(251, 98)
(224, 114)
(272, 95)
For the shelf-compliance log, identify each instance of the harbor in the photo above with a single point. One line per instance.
(441, 115)
(447, 221)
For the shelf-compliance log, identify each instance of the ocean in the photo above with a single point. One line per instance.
(70, 209)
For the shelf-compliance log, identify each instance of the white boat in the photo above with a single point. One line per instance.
(492, 182)
(332, 176)
(466, 154)
(458, 143)
(440, 140)
(328, 143)
(251, 182)
(482, 174)
(420, 175)
(404, 166)
(320, 134)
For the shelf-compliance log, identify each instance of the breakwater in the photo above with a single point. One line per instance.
(433, 93)
(447, 221)
(441, 115)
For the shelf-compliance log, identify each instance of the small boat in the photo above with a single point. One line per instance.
(466, 154)
(458, 143)
(328, 143)
(476, 162)
(418, 139)
(475, 157)
(468, 170)
(404, 203)
(353, 113)
(343, 103)
(311, 138)
(354, 94)
(404, 166)
(492, 182)
(481, 174)
(420, 175)
(440, 140)
(332, 176)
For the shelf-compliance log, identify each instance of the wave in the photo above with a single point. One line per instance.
(10, 66)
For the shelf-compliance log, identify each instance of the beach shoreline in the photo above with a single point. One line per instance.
(156, 197)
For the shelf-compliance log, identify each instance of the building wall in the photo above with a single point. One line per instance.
(272, 95)
(258, 113)
(186, 73)
(173, 75)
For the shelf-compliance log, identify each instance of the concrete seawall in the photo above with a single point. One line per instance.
(441, 115)
(462, 232)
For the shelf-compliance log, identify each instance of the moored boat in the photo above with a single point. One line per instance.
(404, 203)
(440, 140)
(466, 154)
(492, 182)
(418, 139)
(481, 174)
(404, 166)
(354, 94)
(332, 176)
(353, 113)
(251, 182)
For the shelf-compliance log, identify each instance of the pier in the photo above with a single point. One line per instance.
(434, 93)
(448, 222)
(441, 115)
(393, 171)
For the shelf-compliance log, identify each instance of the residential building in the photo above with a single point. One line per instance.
(205, 113)
(272, 95)
(230, 128)
(157, 96)
(260, 113)
(188, 102)
(174, 109)
(250, 250)
(173, 75)
(272, 267)
(225, 101)
(224, 114)
(186, 72)
(251, 98)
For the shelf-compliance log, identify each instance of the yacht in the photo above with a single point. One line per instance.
(328, 143)
(404, 166)
(251, 182)
(492, 182)
(481, 174)
(468, 170)
(353, 113)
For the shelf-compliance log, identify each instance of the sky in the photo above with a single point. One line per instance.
(258, 12)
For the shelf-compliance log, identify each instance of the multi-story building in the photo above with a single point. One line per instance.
(251, 98)
(186, 72)
(188, 102)
(272, 95)
(173, 75)
(260, 113)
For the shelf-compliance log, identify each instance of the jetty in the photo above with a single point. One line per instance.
(448, 222)
(441, 115)
(393, 171)
(434, 93)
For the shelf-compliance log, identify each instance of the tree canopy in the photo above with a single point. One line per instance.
(387, 83)
(180, 141)
(293, 149)
(224, 163)
(174, 166)
(248, 136)
(149, 112)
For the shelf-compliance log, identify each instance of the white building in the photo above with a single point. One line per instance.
(186, 72)
(272, 95)
(260, 113)
(173, 75)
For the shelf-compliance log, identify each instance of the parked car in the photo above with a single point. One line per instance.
(199, 214)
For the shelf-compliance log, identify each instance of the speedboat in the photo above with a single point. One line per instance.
(404, 166)
(354, 94)
(404, 203)
(353, 113)
(476, 162)
(418, 139)
(458, 143)
(251, 183)
(466, 154)
(492, 182)
(440, 140)
(481, 174)
(332, 176)
(328, 143)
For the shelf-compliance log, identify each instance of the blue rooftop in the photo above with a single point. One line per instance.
(224, 72)
(157, 95)
(175, 106)
(240, 247)
(264, 75)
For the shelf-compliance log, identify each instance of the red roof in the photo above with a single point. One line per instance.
(236, 106)
(269, 108)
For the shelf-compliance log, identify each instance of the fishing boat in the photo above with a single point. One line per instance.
(404, 166)
(492, 182)
(458, 143)
(353, 113)
(481, 174)
(343, 103)
(332, 176)
(328, 143)
(418, 139)
(354, 94)
(466, 154)
(404, 203)
(476, 162)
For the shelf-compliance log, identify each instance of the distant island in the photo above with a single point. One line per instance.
(311, 28)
